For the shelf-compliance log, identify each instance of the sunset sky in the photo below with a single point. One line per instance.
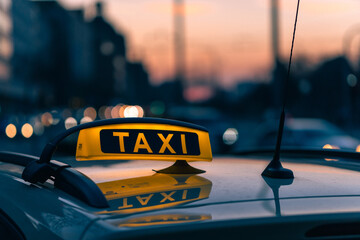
(229, 39)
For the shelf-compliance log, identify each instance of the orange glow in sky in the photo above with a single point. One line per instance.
(228, 39)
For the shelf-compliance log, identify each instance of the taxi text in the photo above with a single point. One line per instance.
(135, 141)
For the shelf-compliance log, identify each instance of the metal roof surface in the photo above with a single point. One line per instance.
(232, 189)
(238, 181)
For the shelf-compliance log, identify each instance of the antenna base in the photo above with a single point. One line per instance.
(276, 170)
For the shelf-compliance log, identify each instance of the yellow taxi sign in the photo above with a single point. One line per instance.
(144, 141)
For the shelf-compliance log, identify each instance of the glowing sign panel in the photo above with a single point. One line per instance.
(149, 142)
(143, 141)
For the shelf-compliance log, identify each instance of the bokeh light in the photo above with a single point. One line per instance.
(108, 112)
(27, 130)
(70, 122)
(131, 111)
(140, 111)
(230, 136)
(122, 110)
(56, 117)
(115, 111)
(85, 120)
(38, 128)
(329, 146)
(351, 80)
(358, 148)
(157, 108)
(90, 112)
(10, 130)
(47, 119)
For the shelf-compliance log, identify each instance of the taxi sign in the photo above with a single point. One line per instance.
(151, 140)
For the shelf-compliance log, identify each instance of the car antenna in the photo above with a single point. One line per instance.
(275, 169)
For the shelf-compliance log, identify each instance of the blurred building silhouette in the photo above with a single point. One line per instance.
(5, 48)
(51, 56)
(53, 65)
(109, 60)
(5, 41)
(139, 90)
(330, 95)
(330, 91)
(85, 60)
(16, 54)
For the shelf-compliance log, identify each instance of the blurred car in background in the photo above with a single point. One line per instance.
(305, 132)
(223, 134)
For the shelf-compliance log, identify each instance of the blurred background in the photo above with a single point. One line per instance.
(220, 64)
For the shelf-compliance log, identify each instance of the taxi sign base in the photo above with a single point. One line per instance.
(180, 167)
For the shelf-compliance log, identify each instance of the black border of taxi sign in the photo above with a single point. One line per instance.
(144, 139)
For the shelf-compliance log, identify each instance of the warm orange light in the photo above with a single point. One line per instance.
(46, 119)
(328, 146)
(122, 110)
(140, 111)
(27, 130)
(10, 130)
(331, 160)
(115, 111)
(90, 112)
(108, 113)
(85, 120)
(358, 148)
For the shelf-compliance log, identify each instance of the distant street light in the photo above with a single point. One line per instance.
(348, 38)
(275, 30)
(179, 39)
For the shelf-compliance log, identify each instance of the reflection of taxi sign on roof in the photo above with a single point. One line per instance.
(154, 192)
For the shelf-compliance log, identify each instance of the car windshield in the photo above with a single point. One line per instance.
(219, 64)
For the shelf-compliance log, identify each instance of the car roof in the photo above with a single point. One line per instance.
(240, 178)
(239, 192)
(234, 190)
